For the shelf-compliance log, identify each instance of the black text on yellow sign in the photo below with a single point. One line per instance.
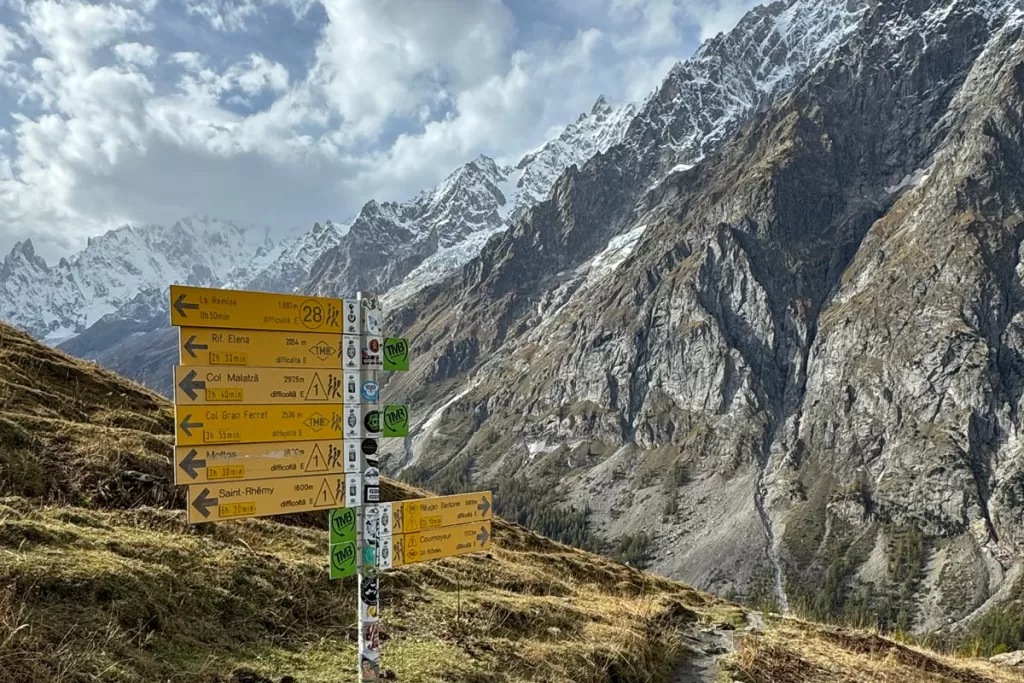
(258, 348)
(434, 544)
(235, 309)
(212, 502)
(247, 461)
(421, 514)
(208, 385)
(200, 425)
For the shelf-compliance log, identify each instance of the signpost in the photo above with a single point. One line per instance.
(277, 410)
(258, 348)
(237, 310)
(421, 546)
(242, 462)
(209, 385)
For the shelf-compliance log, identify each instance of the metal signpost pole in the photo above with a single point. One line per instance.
(368, 578)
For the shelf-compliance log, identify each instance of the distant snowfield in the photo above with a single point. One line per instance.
(447, 260)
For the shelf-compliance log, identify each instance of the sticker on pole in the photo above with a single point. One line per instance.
(396, 420)
(343, 560)
(396, 353)
(343, 525)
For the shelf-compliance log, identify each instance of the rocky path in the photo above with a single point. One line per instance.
(709, 644)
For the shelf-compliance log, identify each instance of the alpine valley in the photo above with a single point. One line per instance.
(762, 332)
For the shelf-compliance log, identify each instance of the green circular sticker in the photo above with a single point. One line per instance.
(372, 421)
(343, 525)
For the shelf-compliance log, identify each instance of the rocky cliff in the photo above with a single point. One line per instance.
(794, 368)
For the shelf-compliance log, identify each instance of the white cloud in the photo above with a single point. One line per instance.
(10, 42)
(136, 53)
(253, 119)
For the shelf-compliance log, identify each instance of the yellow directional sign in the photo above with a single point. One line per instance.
(241, 462)
(216, 501)
(207, 385)
(434, 544)
(235, 309)
(440, 511)
(197, 425)
(258, 348)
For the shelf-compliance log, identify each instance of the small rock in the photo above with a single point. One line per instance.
(1015, 658)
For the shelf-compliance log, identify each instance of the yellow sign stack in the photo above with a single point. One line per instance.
(259, 403)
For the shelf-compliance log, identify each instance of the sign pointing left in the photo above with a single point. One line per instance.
(181, 306)
(236, 309)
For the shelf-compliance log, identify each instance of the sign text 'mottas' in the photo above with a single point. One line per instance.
(247, 461)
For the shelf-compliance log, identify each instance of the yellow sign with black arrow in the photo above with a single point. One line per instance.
(236, 309)
(433, 544)
(247, 461)
(265, 497)
(258, 348)
(205, 385)
(200, 425)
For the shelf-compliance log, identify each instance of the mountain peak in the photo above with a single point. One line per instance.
(601, 106)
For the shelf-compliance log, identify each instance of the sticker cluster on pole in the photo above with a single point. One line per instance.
(278, 410)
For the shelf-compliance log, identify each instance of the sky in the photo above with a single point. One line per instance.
(286, 112)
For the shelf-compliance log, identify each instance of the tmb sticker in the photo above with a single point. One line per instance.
(396, 353)
(396, 420)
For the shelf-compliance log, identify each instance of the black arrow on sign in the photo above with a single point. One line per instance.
(192, 347)
(180, 306)
(484, 505)
(189, 385)
(190, 464)
(187, 426)
(483, 536)
(203, 503)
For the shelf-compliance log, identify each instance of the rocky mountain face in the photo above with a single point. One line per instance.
(776, 335)
(57, 302)
(411, 244)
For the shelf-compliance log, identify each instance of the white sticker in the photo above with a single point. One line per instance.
(353, 490)
(371, 524)
(372, 323)
(371, 477)
(350, 352)
(372, 348)
(384, 552)
(385, 519)
(353, 459)
(372, 494)
(353, 421)
(351, 322)
(351, 388)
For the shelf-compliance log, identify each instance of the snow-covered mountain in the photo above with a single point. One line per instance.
(412, 244)
(55, 302)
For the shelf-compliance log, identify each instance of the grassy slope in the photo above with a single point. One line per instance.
(101, 579)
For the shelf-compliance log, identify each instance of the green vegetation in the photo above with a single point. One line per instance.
(633, 549)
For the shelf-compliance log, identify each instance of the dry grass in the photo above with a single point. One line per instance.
(793, 651)
(101, 579)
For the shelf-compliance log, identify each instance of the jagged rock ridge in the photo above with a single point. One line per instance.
(796, 364)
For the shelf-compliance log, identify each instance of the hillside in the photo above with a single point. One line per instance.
(794, 361)
(102, 580)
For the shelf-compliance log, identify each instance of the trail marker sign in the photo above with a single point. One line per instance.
(209, 385)
(258, 348)
(211, 502)
(248, 461)
(240, 310)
